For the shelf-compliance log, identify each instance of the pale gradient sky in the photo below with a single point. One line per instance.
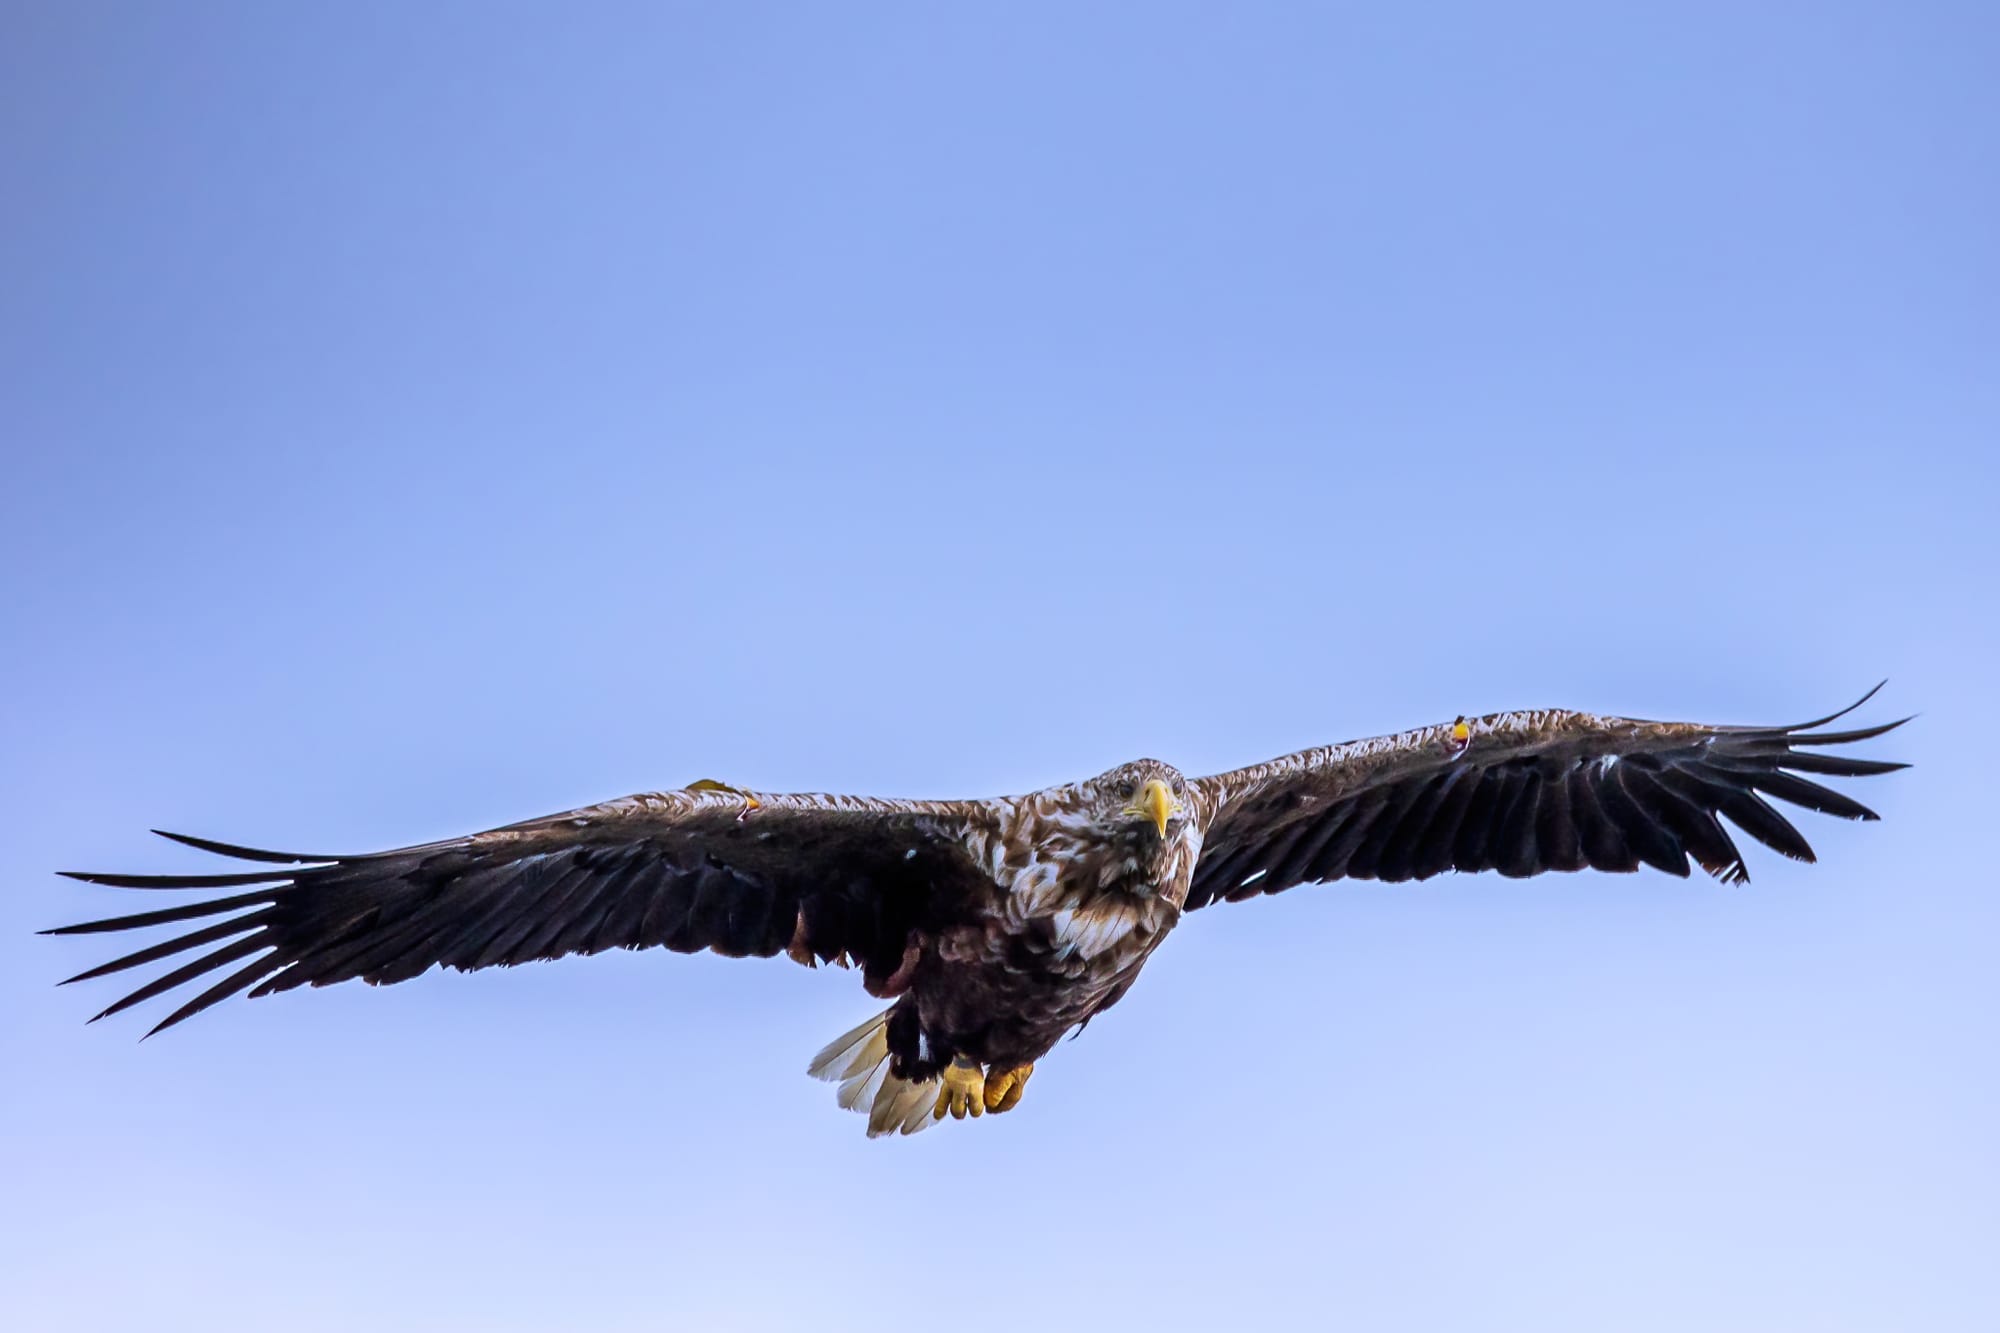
(418, 421)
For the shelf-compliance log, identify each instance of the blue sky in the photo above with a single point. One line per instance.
(422, 420)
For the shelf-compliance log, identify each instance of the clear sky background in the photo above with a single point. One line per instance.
(420, 418)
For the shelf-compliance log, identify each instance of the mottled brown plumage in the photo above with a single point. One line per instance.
(993, 926)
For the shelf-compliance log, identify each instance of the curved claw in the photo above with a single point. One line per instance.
(962, 1090)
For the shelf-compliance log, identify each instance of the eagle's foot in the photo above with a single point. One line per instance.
(750, 802)
(1003, 1090)
(963, 1090)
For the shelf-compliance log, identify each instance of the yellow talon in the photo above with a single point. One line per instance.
(1003, 1091)
(962, 1090)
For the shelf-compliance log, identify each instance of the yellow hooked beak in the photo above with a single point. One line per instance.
(1156, 803)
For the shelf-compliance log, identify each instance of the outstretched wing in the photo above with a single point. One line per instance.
(1521, 793)
(819, 877)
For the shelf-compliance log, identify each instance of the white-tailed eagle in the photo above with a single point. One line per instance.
(992, 926)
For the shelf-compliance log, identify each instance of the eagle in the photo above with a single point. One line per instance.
(991, 927)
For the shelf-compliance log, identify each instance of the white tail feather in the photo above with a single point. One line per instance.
(858, 1060)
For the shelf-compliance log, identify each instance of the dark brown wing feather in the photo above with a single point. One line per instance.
(1524, 793)
(820, 877)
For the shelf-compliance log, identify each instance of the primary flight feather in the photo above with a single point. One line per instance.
(993, 926)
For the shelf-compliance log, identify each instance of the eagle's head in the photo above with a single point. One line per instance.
(1144, 831)
(1136, 827)
(1145, 800)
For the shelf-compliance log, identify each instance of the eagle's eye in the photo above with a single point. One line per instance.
(1127, 790)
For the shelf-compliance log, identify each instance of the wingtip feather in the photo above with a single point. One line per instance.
(1839, 713)
(239, 852)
